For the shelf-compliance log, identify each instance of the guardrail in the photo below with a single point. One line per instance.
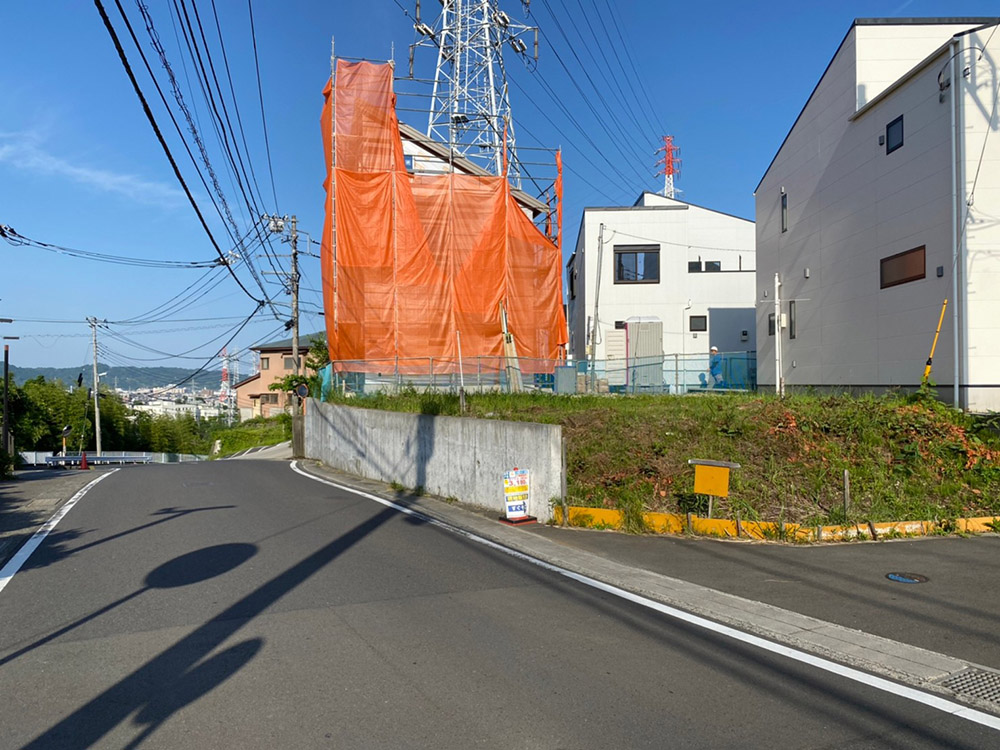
(64, 460)
(48, 458)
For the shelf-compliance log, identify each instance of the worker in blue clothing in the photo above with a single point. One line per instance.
(715, 368)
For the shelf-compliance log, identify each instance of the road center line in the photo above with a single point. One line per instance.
(14, 564)
(904, 691)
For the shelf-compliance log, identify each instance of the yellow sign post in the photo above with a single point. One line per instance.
(711, 478)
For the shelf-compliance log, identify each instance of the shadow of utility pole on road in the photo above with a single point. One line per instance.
(178, 676)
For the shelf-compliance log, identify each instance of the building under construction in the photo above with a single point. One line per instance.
(422, 268)
(432, 261)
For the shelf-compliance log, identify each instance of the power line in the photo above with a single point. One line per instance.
(19, 240)
(572, 119)
(197, 289)
(641, 104)
(616, 90)
(165, 355)
(260, 305)
(222, 133)
(627, 48)
(236, 106)
(688, 245)
(609, 113)
(163, 144)
(260, 94)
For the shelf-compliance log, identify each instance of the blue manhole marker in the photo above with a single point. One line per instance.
(907, 577)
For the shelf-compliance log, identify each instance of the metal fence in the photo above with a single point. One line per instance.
(671, 373)
(38, 458)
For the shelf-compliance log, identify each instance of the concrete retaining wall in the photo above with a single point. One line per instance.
(447, 456)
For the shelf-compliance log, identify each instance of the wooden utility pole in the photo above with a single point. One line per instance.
(295, 295)
(97, 396)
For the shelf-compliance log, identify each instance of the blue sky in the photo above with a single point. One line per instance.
(80, 166)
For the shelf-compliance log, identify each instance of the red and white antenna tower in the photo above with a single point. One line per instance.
(670, 164)
(224, 390)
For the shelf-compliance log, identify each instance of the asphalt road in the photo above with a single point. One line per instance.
(955, 612)
(237, 604)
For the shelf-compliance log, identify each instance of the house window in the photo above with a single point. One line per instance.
(694, 266)
(713, 265)
(902, 267)
(784, 212)
(289, 363)
(698, 323)
(791, 319)
(637, 264)
(408, 163)
(265, 363)
(894, 135)
(572, 283)
(770, 324)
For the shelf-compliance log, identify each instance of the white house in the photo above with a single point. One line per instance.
(680, 268)
(883, 202)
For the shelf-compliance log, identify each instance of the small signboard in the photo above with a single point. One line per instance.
(712, 477)
(516, 492)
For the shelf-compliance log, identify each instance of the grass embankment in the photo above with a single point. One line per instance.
(908, 458)
(255, 432)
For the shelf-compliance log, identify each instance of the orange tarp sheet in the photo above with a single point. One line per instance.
(417, 257)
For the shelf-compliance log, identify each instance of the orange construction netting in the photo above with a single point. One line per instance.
(418, 257)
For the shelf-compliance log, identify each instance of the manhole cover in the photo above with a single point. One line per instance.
(907, 577)
(975, 682)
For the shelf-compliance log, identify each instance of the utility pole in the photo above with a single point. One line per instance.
(97, 395)
(295, 296)
(276, 225)
(597, 299)
(779, 375)
(6, 387)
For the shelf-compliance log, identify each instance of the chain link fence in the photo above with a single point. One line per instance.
(668, 374)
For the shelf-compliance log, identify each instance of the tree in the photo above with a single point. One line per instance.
(316, 359)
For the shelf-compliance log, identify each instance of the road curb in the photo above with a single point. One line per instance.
(676, 523)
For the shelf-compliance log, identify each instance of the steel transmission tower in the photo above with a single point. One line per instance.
(470, 102)
(670, 165)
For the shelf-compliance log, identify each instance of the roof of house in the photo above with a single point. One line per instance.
(247, 380)
(971, 20)
(305, 341)
(441, 151)
(665, 207)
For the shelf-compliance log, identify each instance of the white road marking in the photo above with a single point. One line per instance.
(14, 564)
(879, 683)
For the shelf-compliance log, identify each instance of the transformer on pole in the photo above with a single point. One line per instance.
(670, 165)
(470, 102)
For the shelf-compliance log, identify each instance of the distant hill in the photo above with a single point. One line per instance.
(125, 377)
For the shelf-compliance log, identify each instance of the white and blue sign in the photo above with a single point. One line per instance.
(516, 492)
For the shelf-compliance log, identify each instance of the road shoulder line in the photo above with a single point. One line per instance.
(21, 556)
